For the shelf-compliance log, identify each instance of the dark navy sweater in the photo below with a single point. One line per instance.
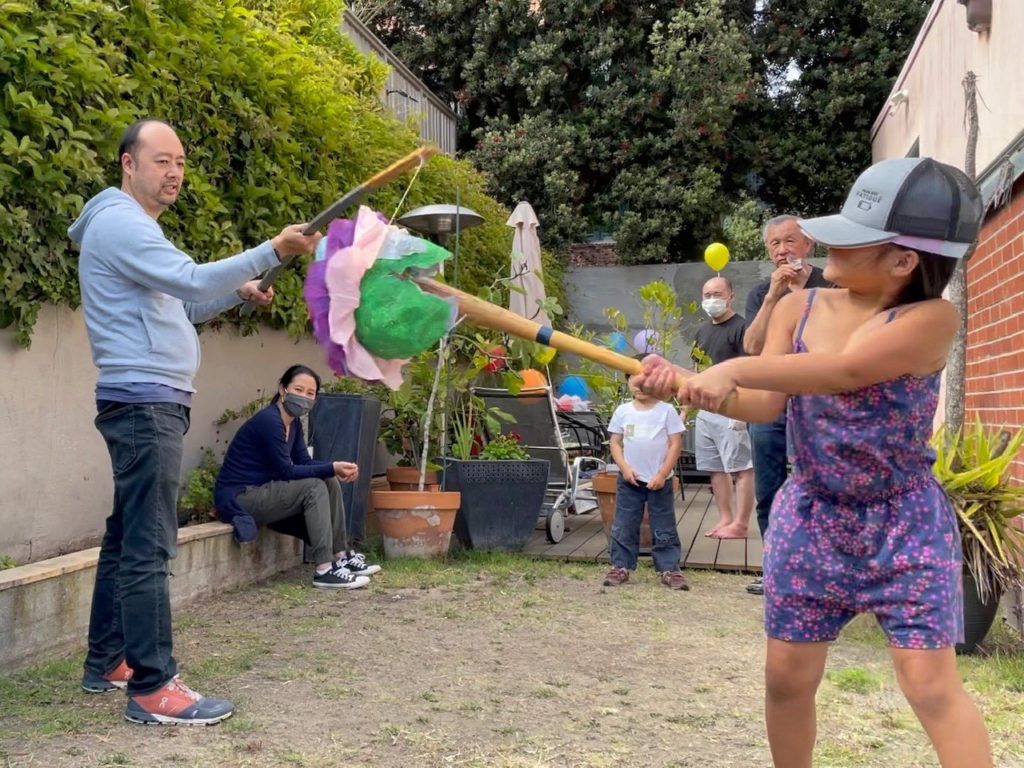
(259, 454)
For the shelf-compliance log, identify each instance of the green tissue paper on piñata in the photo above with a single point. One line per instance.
(395, 319)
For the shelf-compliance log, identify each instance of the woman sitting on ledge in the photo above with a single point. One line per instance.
(269, 478)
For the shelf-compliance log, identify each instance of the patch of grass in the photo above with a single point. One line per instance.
(543, 693)
(290, 593)
(291, 757)
(834, 755)
(558, 683)
(864, 629)
(238, 724)
(237, 654)
(46, 700)
(696, 722)
(117, 758)
(855, 680)
(620, 691)
(188, 622)
(469, 566)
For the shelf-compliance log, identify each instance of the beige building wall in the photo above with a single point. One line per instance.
(933, 112)
(55, 479)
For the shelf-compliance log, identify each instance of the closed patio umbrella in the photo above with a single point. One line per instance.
(526, 265)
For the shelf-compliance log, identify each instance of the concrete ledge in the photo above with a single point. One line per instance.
(44, 606)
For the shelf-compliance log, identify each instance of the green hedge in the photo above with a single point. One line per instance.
(278, 111)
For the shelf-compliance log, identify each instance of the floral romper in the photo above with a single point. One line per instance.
(862, 526)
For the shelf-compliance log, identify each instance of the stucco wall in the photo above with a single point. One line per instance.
(55, 480)
(934, 111)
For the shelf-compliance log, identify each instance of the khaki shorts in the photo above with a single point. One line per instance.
(719, 447)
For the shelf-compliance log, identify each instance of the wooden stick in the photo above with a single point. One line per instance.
(335, 209)
(497, 318)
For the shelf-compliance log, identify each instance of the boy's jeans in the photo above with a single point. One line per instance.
(629, 512)
(131, 607)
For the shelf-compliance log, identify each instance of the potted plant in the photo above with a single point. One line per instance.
(973, 467)
(502, 490)
(419, 522)
(402, 424)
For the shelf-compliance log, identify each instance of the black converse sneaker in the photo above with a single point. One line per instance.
(356, 564)
(339, 578)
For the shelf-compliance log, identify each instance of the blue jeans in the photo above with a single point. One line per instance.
(131, 606)
(629, 513)
(768, 445)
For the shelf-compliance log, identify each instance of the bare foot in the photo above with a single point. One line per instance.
(731, 531)
(713, 531)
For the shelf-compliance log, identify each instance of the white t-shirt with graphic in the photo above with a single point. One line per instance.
(645, 435)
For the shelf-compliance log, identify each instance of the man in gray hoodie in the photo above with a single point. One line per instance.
(141, 298)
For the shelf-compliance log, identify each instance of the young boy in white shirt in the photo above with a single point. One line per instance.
(646, 437)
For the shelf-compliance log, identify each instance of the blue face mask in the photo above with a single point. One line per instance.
(297, 405)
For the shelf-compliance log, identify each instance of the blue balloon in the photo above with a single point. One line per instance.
(575, 385)
(618, 342)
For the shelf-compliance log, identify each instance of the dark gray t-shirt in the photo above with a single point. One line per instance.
(721, 341)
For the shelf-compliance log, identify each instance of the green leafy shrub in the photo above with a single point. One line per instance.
(504, 447)
(278, 111)
(7, 562)
(195, 502)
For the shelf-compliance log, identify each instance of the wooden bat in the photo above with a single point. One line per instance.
(335, 209)
(497, 318)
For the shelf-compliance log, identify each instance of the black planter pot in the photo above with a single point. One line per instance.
(978, 616)
(344, 428)
(501, 501)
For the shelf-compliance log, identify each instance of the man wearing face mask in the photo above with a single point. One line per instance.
(723, 444)
(789, 248)
(268, 478)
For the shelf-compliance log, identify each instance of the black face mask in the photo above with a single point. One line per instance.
(297, 405)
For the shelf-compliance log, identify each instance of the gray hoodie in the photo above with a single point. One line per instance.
(141, 295)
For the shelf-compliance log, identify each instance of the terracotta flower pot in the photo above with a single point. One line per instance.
(408, 479)
(415, 523)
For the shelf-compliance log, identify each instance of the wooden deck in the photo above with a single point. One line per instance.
(585, 538)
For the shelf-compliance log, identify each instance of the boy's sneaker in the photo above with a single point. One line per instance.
(674, 580)
(339, 578)
(356, 564)
(115, 680)
(616, 577)
(756, 587)
(174, 703)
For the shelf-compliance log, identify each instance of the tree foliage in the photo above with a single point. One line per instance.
(660, 121)
(278, 111)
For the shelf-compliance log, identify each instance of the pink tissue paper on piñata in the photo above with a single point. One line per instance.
(343, 276)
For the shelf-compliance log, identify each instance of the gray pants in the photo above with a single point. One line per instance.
(318, 500)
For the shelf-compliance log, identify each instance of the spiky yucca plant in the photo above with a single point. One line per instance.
(973, 466)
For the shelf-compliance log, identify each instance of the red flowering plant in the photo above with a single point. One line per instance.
(505, 448)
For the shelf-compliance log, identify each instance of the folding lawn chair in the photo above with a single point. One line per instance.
(585, 437)
(536, 423)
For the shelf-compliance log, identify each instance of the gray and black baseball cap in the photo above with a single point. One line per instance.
(912, 201)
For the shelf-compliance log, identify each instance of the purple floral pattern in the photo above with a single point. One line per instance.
(861, 526)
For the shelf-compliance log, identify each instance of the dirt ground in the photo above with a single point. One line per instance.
(501, 662)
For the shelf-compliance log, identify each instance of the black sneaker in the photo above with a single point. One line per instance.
(338, 578)
(356, 564)
(756, 587)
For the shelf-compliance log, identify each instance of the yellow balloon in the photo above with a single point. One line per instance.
(716, 256)
(545, 356)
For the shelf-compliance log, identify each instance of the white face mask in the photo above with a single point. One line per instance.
(714, 307)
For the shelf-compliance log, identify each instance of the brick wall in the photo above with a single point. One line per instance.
(995, 321)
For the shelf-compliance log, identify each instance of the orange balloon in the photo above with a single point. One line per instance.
(533, 379)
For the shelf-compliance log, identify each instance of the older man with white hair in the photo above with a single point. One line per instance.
(790, 249)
